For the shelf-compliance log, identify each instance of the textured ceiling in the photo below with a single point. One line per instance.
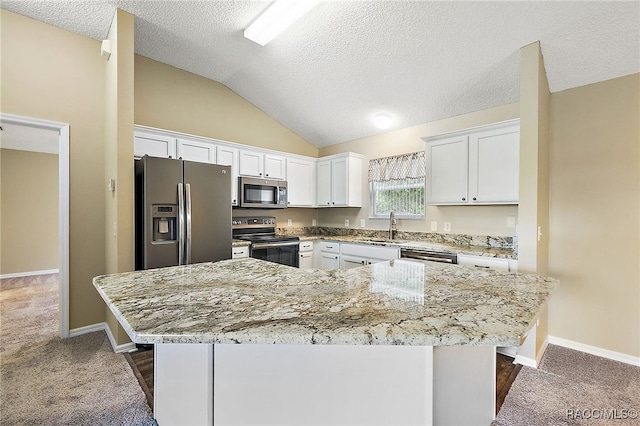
(332, 71)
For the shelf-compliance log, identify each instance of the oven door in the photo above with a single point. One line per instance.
(282, 253)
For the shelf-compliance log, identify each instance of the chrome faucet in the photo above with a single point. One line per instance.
(393, 225)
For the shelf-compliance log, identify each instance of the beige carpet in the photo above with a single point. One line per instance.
(573, 388)
(49, 381)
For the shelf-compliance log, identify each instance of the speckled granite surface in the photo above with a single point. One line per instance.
(391, 303)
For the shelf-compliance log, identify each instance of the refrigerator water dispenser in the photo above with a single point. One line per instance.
(165, 217)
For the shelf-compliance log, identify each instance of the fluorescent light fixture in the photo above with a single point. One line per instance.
(382, 121)
(277, 18)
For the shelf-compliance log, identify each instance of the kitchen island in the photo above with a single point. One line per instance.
(250, 342)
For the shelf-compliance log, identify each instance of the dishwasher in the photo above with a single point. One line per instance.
(430, 255)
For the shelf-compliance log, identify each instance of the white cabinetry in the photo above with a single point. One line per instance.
(153, 145)
(354, 255)
(259, 164)
(339, 181)
(200, 151)
(328, 255)
(301, 182)
(227, 156)
(479, 166)
(239, 252)
(306, 255)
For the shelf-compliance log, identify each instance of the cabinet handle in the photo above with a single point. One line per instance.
(333, 202)
(267, 174)
(328, 202)
(474, 198)
(464, 199)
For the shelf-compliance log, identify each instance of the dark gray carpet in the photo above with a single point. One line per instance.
(45, 380)
(573, 388)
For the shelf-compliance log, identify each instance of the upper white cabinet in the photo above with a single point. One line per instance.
(479, 166)
(200, 151)
(227, 156)
(258, 164)
(301, 182)
(154, 145)
(339, 180)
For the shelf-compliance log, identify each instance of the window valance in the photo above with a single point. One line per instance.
(397, 167)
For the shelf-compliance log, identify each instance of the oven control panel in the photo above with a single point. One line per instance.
(253, 222)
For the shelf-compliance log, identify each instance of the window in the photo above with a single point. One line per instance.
(397, 184)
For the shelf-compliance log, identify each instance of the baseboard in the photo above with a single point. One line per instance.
(30, 273)
(126, 347)
(593, 350)
(525, 360)
(540, 353)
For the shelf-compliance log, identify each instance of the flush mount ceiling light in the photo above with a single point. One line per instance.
(277, 18)
(382, 121)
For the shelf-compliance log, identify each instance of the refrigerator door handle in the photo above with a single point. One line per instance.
(187, 188)
(180, 225)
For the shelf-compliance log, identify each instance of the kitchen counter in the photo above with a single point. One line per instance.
(399, 303)
(393, 343)
(501, 253)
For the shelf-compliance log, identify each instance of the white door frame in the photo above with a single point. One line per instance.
(63, 206)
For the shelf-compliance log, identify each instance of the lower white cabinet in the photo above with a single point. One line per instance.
(306, 255)
(485, 262)
(239, 252)
(354, 255)
(327, 255)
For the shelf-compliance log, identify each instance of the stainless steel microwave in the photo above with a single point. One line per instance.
(262, 193)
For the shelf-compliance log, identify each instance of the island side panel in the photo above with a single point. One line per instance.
(183, 384)
(329, 385)
(464, 385)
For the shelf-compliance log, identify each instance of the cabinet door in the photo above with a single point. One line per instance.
(339, 181)
(202, 152)
(306, 260)
(329, 261)
(153, 146)
(274, 166)
(448, 170)
(323, 187)
(300, 182)
(251, 163)
(494, 166)
(227, 156)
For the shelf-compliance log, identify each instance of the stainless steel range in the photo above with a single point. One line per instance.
(265, 244)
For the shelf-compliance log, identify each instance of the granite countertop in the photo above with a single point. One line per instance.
(422, 245)
(399, 302)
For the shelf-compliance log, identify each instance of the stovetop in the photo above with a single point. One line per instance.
(258, 229)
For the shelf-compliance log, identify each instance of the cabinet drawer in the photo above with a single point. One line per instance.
(484, 262)
(239, 252)
(306, 246)
(330, 246)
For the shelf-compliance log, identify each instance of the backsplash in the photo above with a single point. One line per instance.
(457, 239)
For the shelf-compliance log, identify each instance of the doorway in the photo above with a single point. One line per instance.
(36, 135)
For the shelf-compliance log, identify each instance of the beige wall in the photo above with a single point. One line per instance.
(119, 233)
(172, 99)
(54, 74)
(595, 214)
(29, 211)
(476, 220)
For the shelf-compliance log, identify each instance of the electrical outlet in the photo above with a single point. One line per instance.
(361, 223)
(314, 222)
(511, 221)
(434, 226)
(346, 222)
(447, 227)
(289, 222)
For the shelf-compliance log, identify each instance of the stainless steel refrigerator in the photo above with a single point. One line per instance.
(183, 212)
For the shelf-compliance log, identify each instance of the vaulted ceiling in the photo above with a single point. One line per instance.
(345, 61)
